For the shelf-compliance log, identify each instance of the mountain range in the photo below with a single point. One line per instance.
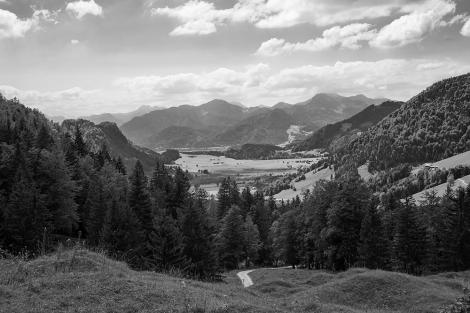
(220, 123)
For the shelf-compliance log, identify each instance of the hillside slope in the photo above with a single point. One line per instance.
(216, 115)
(118, 145)
(78, 280)
(266, 128)
(219, 122)
(361, 121)
(431, 126)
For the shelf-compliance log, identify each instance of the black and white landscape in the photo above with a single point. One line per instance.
(264, 156)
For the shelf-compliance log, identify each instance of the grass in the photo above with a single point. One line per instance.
(78, 280)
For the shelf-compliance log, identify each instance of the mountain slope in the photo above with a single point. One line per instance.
(431, 126)
(216, 114)
(361, 121)
(327, 108)
(267, 128)
(118, 145)
(219, 122)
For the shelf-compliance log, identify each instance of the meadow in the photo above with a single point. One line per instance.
(78, 280)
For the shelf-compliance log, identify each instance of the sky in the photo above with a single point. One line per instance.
(75, 58)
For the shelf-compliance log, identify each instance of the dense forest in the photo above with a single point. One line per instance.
(431, 126)
(54, 188)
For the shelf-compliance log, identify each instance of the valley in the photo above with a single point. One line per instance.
(209, 169)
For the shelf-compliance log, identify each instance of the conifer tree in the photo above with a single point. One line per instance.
(199, 246)
(372, 244)
(230, 239)
(121, 235)
(251, 240)
(166, 243)
(409, 248)
(139, 199)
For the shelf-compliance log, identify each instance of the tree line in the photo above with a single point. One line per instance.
(52, 187)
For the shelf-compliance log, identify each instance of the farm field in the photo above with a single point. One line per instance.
(311, 178)
(441, 189)
(244, 171)
(214, 164)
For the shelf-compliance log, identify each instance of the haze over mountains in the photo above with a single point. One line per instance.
(220, 123)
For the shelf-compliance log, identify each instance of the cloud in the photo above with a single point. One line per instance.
(74, 41)
(13, 27)
(257, 84)
(350, 37)
(198, 17)
(407, 29)
(415, 26)
(81, 8)
(465, 31)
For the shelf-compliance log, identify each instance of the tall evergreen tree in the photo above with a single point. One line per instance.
(409, 250)
(139, 199)
(230, 239)
(199, 246)
(372, 244)
(166, 243)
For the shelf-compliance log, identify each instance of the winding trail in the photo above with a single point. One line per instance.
(246, 280)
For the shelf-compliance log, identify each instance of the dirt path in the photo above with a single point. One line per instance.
(246, 280)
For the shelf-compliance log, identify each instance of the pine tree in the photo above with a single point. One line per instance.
(252, 241)
(121, 235)
(409, 250)
(199, 246)
(372, 244)
(166, 243)
(230, 239)
(79, 144)
(25, 214)
(227, 197)
(139, 199)
(246, 201)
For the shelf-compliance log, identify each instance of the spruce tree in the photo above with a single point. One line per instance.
(199, 246)
(230, 239)
(139, 199)
(121, 233)
(166, 243)
(372, 244)
(409, 250)
(252, 241)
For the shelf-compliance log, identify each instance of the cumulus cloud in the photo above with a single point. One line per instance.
(254, 85)
(82, 8)
(350, 36)
(13, 27)
(258, 84)
(465, 31)
(415, 26)
(407, 29)
(202, 17)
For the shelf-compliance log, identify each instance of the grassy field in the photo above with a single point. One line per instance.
(84, 281)
(454, 161)
(311, 178)
(441, 189)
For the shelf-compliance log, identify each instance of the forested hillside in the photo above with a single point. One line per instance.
(431, 126)
(360, 122)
